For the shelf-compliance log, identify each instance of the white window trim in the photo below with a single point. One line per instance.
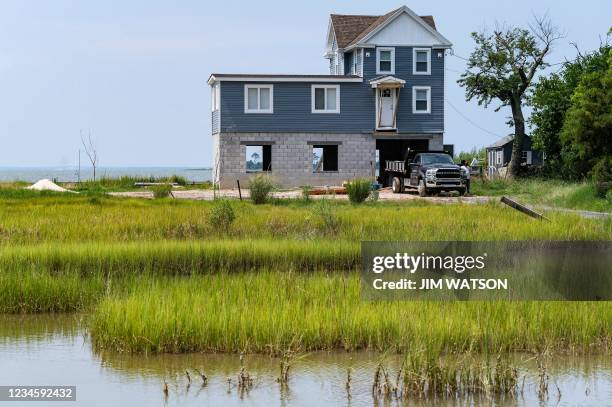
(354, 67)
(414, 91)
(378, 50)
(246, 98)
(414, 61)
(312, 98)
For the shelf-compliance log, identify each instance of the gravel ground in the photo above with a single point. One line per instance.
(384, 195)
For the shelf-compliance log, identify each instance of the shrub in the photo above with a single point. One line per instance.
(222, 214)
(178, 179)
(602, 176)
(324, 210)
(260, 186)
(358, 190)
(306, 192)
(161, 191)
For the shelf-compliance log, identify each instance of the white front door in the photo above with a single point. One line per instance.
(386, 109)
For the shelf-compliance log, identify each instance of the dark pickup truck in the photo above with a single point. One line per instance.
(428, 172)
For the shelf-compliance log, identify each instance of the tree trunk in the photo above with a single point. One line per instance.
(519, 135)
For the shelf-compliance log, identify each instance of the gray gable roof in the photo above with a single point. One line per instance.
(504, 140)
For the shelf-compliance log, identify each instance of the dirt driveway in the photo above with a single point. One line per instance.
(384, 195)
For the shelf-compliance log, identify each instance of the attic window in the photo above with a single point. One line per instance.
(385, 60)
(422, 61)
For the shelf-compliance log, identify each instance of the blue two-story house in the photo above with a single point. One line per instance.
(384, 93)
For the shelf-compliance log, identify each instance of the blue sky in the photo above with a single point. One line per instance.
(134, 72)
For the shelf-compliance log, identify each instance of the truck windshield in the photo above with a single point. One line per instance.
(427, 159)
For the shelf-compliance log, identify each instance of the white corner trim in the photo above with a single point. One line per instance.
(414, 61)
(414, 90)
(312, 98)
(246, 98)
(378, 50)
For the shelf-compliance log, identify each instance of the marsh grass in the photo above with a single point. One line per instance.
(272, 312)
(69, 219)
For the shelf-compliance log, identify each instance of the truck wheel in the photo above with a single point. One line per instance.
(461, 191)
(397, 185)
(422, 189)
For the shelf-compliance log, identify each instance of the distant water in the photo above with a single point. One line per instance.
(71, 174)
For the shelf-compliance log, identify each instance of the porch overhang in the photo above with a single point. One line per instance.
(387, 81)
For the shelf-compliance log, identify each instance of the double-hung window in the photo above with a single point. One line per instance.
(325, 98)
(258, 99)
(421, 58)
(421, 99)
(385, 60)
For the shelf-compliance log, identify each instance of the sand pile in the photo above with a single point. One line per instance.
(47, 185)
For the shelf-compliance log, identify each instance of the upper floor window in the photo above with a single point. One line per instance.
(325, 99)
(258, 99)
(215, 92)
(421, 61)
(421, 99)
(385, 60)
(356, 61)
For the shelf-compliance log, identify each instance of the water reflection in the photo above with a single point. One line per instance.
(55, 349)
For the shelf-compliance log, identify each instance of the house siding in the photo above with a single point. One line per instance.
(292, 103)
(408, 122)
(292, 110)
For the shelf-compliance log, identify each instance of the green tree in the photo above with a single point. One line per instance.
(550, 100)
(588, 121)
(503, 67)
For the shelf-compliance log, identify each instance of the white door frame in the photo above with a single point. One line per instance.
(394, 96)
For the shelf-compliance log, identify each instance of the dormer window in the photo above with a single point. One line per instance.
(421, 61)
(385, 60)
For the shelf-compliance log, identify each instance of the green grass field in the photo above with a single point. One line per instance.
(161, 275)
(553, 193)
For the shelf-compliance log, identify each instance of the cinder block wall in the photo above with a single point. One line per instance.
(292, 157)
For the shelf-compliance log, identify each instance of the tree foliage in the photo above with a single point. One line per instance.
(588, 123)
(502, 68)
(551, 100)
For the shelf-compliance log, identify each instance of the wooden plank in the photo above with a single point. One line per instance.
(523, 208)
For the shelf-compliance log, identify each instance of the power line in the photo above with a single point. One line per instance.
(473, 123)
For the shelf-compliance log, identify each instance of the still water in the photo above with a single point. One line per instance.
(55, 350)
(72, 174)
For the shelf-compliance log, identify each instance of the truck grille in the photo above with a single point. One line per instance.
(448, 174)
